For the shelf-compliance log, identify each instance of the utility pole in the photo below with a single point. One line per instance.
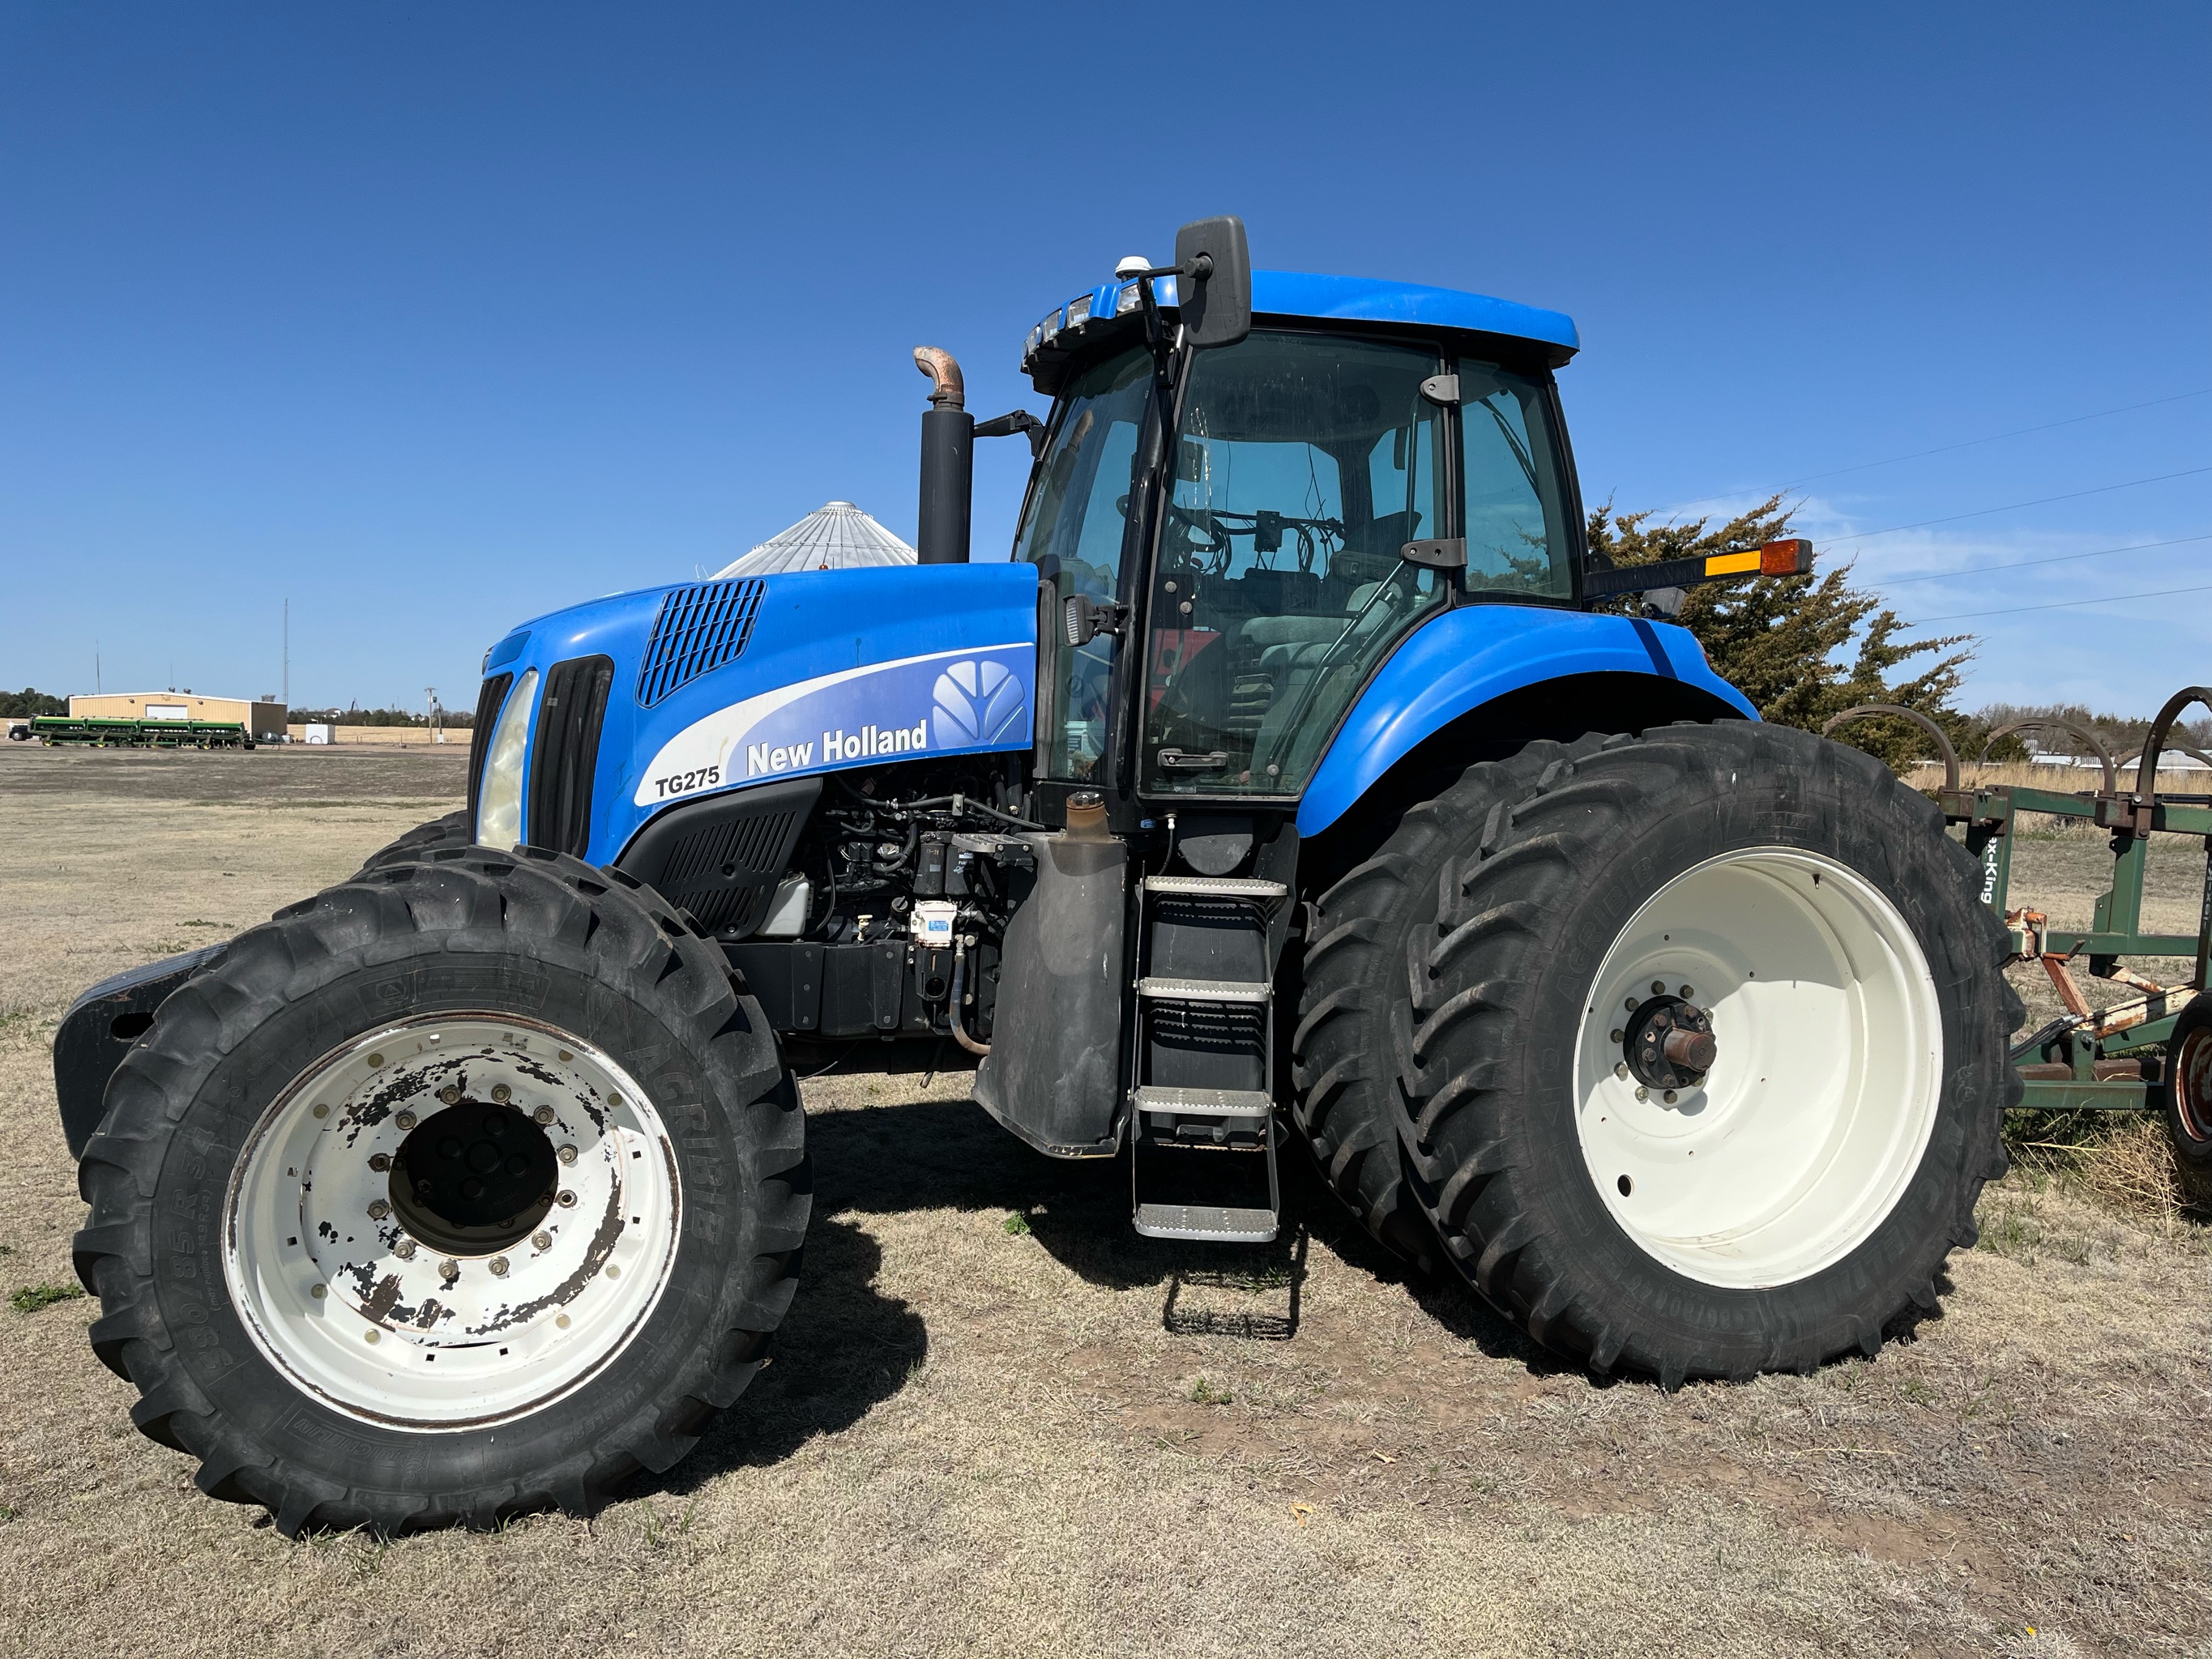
(287, 656)
(95, 666)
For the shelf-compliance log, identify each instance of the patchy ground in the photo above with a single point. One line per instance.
(998, 1423)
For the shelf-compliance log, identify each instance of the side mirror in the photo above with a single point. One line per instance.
(1214, 282)
(1085, 619)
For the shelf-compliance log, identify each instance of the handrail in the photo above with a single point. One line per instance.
(1866, 710)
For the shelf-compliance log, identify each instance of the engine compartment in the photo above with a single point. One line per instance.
(872, 902)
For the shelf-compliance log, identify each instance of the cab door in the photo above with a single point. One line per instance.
(1303, 463)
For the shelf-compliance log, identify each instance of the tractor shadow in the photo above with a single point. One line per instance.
(935, 1154)
(845, 1347)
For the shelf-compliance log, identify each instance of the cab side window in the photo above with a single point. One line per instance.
(1518, 542)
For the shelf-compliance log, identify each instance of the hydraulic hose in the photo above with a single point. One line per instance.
(959, 979)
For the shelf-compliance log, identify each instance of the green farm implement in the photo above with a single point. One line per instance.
(117, 734)
(2153, 1046)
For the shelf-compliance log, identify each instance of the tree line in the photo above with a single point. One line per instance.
(1805, 648)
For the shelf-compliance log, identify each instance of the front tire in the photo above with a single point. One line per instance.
(1786, 896)
(467, 1187)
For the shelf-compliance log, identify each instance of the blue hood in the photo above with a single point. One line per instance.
(718, 685)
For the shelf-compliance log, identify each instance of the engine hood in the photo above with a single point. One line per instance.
(718, 685)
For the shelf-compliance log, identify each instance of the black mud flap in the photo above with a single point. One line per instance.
(99, 1030)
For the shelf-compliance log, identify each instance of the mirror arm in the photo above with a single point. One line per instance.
(1007, 425)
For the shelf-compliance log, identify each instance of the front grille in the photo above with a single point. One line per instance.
(489, 701)
(699, 628)
(566, 753)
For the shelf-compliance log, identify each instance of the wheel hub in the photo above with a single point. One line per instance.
(1668, 1042)
(474, 1178)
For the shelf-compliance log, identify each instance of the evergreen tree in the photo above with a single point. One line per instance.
(1802, 648)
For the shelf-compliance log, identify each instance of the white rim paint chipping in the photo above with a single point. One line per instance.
(419, 1334)
(1798, 1143)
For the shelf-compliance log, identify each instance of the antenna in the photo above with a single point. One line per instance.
(95, 666)
(288, 655)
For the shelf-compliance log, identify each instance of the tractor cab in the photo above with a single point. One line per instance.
(1237, 536)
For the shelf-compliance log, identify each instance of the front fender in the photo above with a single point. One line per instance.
(1475, 653)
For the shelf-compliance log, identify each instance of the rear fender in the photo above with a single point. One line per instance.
(100, 1029)
(1621, 673)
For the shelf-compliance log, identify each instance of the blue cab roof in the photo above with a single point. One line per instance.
(1364, 298)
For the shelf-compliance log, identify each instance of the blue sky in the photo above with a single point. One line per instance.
(432, 317)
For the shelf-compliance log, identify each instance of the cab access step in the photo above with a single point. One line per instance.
(1202, 1084)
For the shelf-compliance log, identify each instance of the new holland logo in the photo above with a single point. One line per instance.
(945, 701)
(977, 702)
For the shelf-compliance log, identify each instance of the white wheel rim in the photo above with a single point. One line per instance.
(1799, 1141)
(446, 1332)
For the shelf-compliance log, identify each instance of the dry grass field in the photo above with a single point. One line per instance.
(997, 1422)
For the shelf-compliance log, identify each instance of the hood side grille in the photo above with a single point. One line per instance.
(699, 628)
(564, 756)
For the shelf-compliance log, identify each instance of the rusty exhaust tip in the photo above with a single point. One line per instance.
(950, 390)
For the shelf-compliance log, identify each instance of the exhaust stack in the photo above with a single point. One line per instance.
(948, 445)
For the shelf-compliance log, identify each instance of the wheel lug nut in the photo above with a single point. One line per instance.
(498, 1266)
(543, 1115)
(541, 1241)
(1686, 994)
(378, 1210)
(403, 1120)
(322, 1111)
(1632, 1005)
(1643, 1093)
(1658, 988)
(501, 1093)
(450, 1093)
(567, 1154)
(1618, 1035)
(449, 1270)
(380, 1162)
(1669, 1097)
(1620, 1071)
(319, 1291)
(567, 1198)
(405, 1249)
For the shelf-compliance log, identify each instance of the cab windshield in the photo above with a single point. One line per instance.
(1073, 530)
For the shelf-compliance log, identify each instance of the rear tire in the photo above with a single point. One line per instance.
(280, 1282)
(1453, 1056)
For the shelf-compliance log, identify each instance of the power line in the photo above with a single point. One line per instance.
(1946, 449)
(2020, 432)
(2013, 507)
(2023, 564)
(2061, 604)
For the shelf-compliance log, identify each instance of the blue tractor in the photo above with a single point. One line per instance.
(1299, 780)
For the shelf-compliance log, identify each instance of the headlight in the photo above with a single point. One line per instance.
(498, 798)
(1078, 311)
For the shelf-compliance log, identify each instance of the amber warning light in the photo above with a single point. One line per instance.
(1791, 557)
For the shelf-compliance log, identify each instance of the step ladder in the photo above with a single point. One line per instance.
(1202, 1083)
